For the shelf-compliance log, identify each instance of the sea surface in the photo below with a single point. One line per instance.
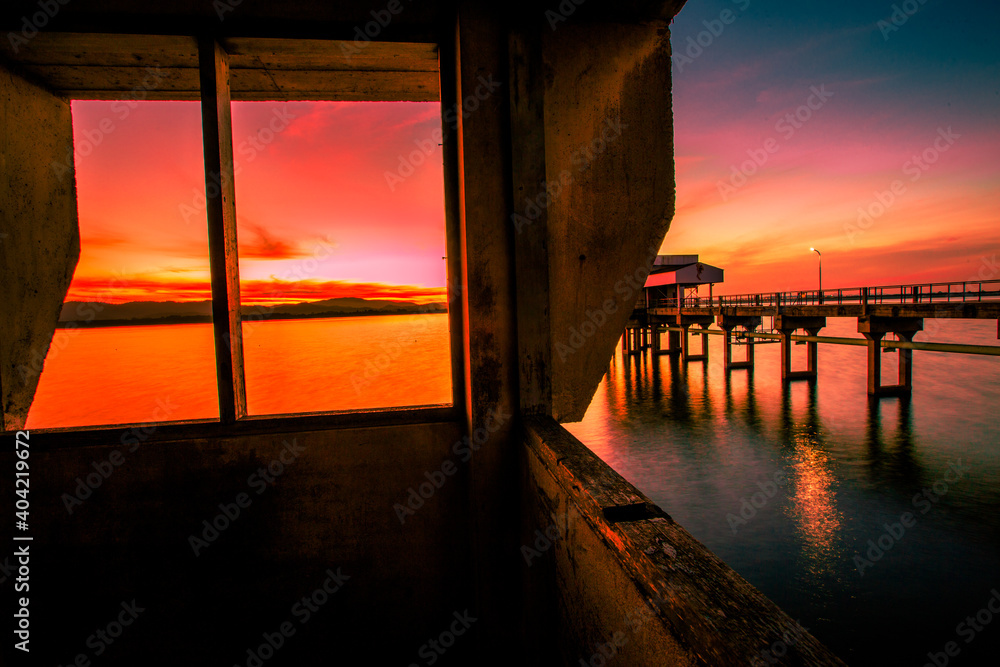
(140, 374)
(708, 448)
(791, 486)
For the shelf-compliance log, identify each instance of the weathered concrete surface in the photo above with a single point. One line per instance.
(609, 150)
(331, 505)
(607, 572)
(39, 236)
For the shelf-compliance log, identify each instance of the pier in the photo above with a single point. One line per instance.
(881, 311)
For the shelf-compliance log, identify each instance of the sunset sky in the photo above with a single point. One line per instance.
(892, 91)
(317, 218)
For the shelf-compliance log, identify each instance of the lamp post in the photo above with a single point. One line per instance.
(820, 272)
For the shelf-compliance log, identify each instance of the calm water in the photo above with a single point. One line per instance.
(694, 440)
(158, 373)
(698, 443)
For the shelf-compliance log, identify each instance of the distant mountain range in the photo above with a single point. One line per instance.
(82, 313)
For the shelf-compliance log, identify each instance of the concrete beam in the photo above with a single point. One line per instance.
(873, 324)
(610, 170)
(39, 235)
(792, 322)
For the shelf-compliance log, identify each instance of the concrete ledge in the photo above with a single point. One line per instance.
(700, 611)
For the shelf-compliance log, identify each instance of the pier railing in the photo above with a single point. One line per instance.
(950, 292)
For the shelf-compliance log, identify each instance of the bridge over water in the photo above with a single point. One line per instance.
(897, 310)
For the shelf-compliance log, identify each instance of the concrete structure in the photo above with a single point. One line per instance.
(559, 190)
(894, 309)
(669, 279)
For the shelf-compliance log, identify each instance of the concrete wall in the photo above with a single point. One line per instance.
(331, 507)
(39, 237)
(607, 572)
(609, 146)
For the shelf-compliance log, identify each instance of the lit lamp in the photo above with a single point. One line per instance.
(820, 272)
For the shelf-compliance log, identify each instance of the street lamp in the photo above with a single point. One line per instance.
(820, 272)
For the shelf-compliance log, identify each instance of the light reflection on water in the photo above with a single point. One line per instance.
(700, 442)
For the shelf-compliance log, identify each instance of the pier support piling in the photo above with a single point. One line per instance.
(685, 322)
(787, 326)
(874, 330)
(728, 323)
(673, 343)
(686, 353)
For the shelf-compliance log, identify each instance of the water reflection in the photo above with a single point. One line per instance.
(698, 440)
(893, 461)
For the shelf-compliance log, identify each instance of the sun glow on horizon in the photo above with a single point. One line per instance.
(317, 217)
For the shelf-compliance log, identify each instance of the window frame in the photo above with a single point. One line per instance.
(215, 94)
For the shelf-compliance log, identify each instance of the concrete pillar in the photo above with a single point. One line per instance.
(813, 352)
(786, 354)
(874, 361)
(906, 362)
(874, 329)
(592, 70)
(673, 342)
(686, 353)
(39, 236)
(728, 323)
(787, 325)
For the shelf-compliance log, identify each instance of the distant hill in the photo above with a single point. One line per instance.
(173, 312)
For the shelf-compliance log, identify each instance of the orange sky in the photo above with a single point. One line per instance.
(316, 216)
(888, 93)
(318, 219)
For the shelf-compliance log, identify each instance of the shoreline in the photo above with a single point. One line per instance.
(207, 319)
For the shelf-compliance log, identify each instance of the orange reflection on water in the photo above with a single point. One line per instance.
(812, 500)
